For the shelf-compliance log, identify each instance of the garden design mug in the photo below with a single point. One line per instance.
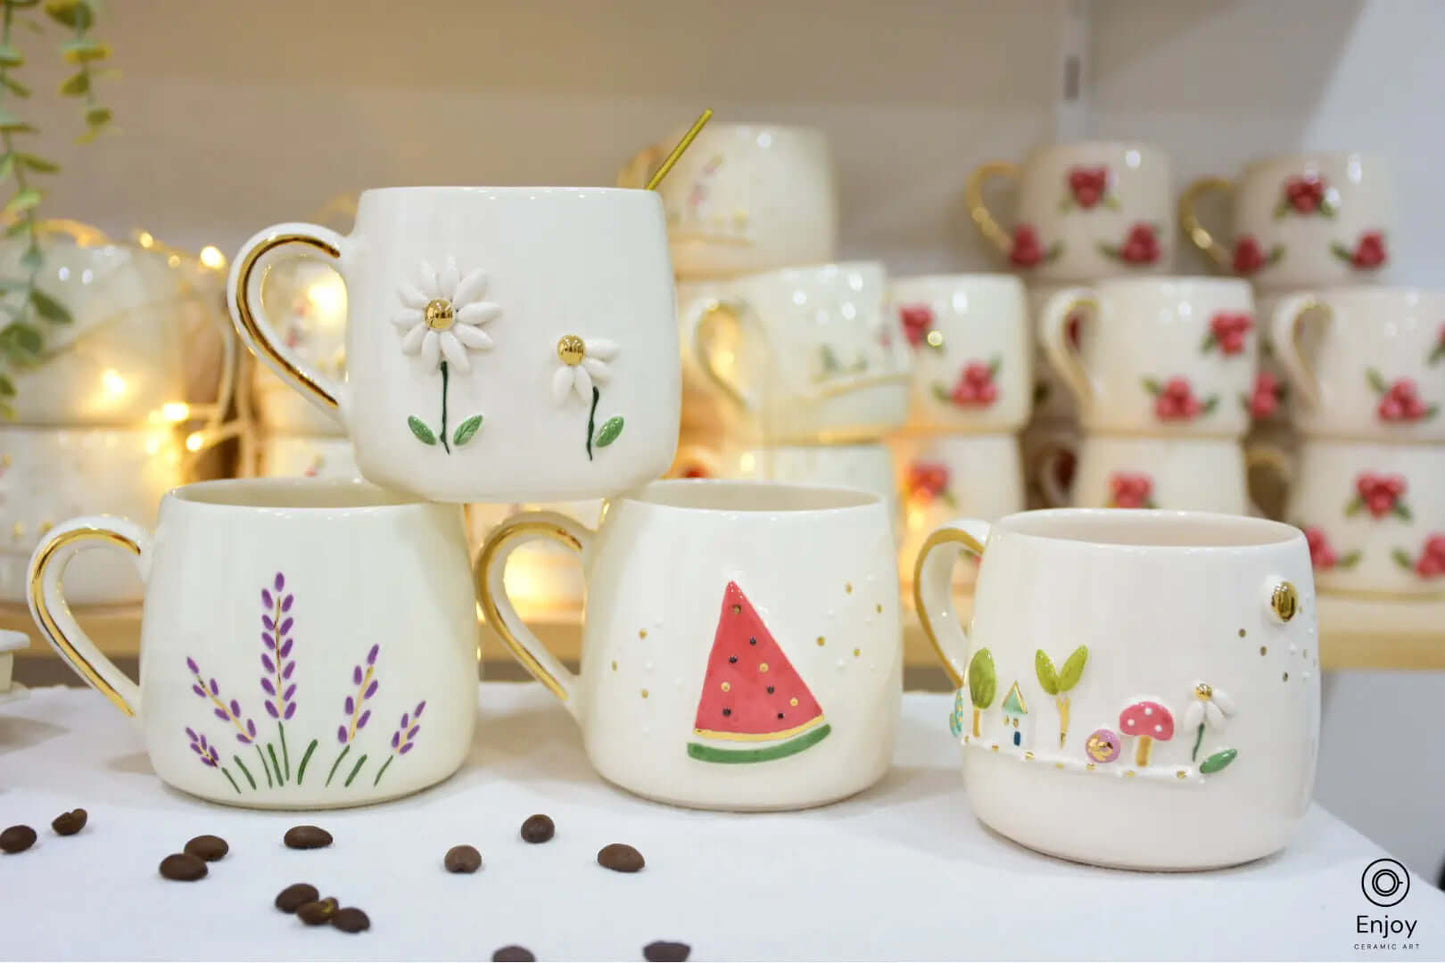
(1301, 220)
(304, 643)
(1160, 355)
(814, 356)
(742, 647)
(1374, 515)
(1374, 369)
(745, 197)
(972, 351)
(1083, 211)
(1137, 688)
(478, 369)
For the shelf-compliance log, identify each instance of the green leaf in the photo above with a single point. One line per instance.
(49, 308)
(98, 116)
(10, 124)
(1210, 404)
(23, 340)
(941, 393)
(995, 365)
(1073, 669)
(466, 430)
(1151, 385)
(609, 431)
(10, 57)
(1218, 761)
(7, 166)
(7, 387)
(1342, 253)
(1376, 381)
(76, 85)
(1402, 558)
(1349, 560)
(23, 201)
(1048, 675)
(1403, 511)
(32, 258)
(38, 164)
(75, 14)
(982, 679)
(19, 227)
(85, 51)
(1355, 506)
(15, 86)
(419, 428)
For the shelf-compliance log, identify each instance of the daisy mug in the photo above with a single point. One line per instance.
(1137, 688)
(304, 643)
(503, 343)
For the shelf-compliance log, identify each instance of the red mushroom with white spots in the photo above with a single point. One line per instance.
(1149, 722)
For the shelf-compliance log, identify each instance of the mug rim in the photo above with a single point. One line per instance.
(1204, 281)
(1381, 292)
(1253, 533)
(997, 278)
(809, 270)
(1039, 150)
(504, 190)
(311, 496)
(822, 499)
(1296, 157)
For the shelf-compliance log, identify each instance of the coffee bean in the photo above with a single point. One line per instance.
(538, 828)
(17, 839)
(68, 824)
(317, 911)
(620, 857)
(462, 859)
(351, 920)
(293, 896)
(183, 867)
(209, 848)
(307, 837)
(665, 951)
(513, 954)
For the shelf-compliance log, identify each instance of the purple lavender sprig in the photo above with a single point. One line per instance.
(363, 677)
(208, 755)
(403, 738)
(276, 646)
(228, 712)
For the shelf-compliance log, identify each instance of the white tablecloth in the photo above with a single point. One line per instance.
(900, 872)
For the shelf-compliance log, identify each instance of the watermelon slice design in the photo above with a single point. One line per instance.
(754, 706)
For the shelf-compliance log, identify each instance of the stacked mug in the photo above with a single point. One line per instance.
(1363, 363)
(793, 369)
(1156, 369)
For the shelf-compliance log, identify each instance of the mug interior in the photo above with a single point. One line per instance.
(706, 494)
(1150, 528)
(290, 493)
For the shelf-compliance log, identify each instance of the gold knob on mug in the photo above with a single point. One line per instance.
(1284, 601)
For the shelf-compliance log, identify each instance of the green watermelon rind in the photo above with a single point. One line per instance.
(797, 744)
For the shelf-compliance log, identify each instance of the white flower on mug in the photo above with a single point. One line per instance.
(1210, 707)
(582, 369)
(443, 313)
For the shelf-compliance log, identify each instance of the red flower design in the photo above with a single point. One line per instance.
(1432, 560)
(1249, 257)
(1088, 185)
(917, 320)
(1268, 392)
(975, 386)
(1141, 246)
(1026, 251)
(1401, 402)
(1369, 252)
(927, 480)
(1305, 193)
(1380, 494)
(1175, 400)
(1129, 489)
(1322, 556)
(1229, 331)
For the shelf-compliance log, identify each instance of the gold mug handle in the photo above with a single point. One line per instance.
(243, 295)
(51, 612)
(497, 608)
(702, 314)
(639, 170)
(1194, 229)
(1286, 328)
(933, 589)
(1059, 350)
(983, 218)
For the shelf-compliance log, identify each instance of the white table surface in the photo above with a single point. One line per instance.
(900, 872)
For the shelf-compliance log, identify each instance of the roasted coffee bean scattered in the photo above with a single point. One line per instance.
(513, 954)
(209, 848)
(538, 828)
(68, 824)
(462, 859)
(620, 857)
(183, 867)
(317, 911)
(351, 920)
(296, 895)
(17, 839)
(307, 837)
(666, 951)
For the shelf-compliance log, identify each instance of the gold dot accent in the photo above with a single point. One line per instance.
(440, 315)
(1284, 600)
(737, 610)
(821, 640)
(857, 652)
(1028, 755)
(572, 349)
(968, 738)
(762, 667)
(934, 339)
(642, 633)
(1090, 766)
(644, 693)
(614, 665)
(994, 747)
(1058, 765)
(1263, 649)
(793, 701)
(1181, 774)
(879, 608)
(848, 587)
(45, 527)
(1242, 633)
(6, 461)
(19, 530)
(727, 687)
(1129, 773)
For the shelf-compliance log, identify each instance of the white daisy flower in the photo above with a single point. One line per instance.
(582, 364)
(1211, 706)
(443, 314)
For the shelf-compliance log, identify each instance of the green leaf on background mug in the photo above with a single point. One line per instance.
(466, 430)
(609, 431)
(49, 308)
(423, 434)
(1218, 761)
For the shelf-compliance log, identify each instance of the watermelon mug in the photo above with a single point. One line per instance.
(742, 647)
(1137, 688)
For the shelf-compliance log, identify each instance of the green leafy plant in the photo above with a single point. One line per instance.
(982, 685)
(27, 310)
(1058, 682)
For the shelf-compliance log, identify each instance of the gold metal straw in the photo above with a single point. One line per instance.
(677, 151)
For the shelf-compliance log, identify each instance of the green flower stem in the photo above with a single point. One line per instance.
(445, 443)
(382, 771)
(355, 769)
(242, 766)
(1197, 740)
(592, 419)
(275, 763)
(230, 780)
(305, 758)
(337, 763)
(264, 768)
(285, 754)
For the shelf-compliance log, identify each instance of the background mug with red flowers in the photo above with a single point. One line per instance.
(1374, 514)
(325, 657)
(971, 354)
(1165, 356)
(1299, 220)
(1082, 210)
(1366, 363)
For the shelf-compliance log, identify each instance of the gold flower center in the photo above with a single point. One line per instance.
(571, 349)
(440, 314)
(1204, 692)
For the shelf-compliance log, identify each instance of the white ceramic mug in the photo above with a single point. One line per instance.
(1139, 689)
(1160, 355)
(745, 197)
(304, 643)
(50, 474)
(742, 647)
(1301, 220)
(972, 350)
(816, 358)
(1083, 211)
(502, 343)
(306, 456)
(1365, 363)
(1374, 515)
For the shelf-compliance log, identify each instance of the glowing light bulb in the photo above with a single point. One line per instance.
(113, 383)
(327, 296)
(194, 441)
(145, 239)
(212, 257)
(175, 411)
(153, 445)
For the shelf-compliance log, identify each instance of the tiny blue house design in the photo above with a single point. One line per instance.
(1014, 711)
